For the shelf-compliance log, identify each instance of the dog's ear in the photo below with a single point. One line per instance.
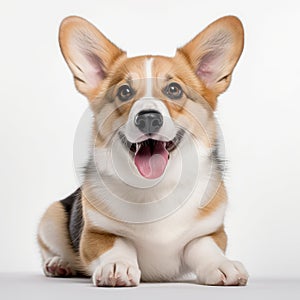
(88, 53)
(214, 52)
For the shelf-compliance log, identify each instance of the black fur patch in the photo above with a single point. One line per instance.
(218, 158)
(73, 207)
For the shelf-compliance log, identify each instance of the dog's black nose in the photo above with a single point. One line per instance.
(148, 121)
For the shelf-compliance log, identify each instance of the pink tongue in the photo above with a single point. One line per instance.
(152, 165)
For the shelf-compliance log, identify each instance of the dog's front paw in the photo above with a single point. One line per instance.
(226, 273)
(57, 267)
(116, 274)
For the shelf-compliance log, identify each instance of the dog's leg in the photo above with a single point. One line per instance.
(58, 258)
(204, 257)
(111, 260)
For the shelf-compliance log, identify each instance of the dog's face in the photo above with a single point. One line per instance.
(150, 103)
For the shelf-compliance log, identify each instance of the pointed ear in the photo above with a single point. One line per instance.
(88, 53)
(214, 52)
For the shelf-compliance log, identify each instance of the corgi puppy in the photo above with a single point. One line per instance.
(152, 203)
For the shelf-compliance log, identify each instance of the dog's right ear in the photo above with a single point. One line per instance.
(88, 53)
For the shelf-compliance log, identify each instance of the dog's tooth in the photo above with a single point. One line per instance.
(138, 146)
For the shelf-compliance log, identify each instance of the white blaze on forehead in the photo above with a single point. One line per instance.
(149, 79)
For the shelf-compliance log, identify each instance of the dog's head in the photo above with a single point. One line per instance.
(149, 103)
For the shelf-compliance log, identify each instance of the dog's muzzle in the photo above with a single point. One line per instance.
(148, 121)
(150, 135)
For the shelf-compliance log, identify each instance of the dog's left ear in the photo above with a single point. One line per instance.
(214, 52)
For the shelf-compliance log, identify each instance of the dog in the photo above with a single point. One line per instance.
(152, 203)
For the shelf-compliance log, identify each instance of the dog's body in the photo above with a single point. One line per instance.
(153, 201)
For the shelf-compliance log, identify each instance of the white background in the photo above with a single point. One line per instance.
(259, 115)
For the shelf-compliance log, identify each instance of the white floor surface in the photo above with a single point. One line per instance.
(36, 286)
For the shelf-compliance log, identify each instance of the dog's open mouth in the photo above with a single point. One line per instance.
(151, 156)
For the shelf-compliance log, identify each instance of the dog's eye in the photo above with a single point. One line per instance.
(173, 91)
(125, 92)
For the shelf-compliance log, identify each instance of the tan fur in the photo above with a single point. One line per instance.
(94, 243)
(101, 87)
(176, 69)
(219, 198)
(229, 29)
(108, 52)
(220, 238)
(165, 70)
(130, 70)
(55, 220)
